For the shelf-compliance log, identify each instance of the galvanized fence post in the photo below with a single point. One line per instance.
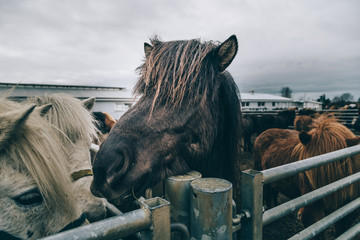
(160, 215)
(177, 192)
(252, 200)
(211, 209)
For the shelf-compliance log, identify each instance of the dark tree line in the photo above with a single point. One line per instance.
(338, 101)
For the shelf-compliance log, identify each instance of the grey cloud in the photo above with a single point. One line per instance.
(306, 45)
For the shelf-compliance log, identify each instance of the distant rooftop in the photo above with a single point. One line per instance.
(79, 91)
(263, 97)
(33, 85)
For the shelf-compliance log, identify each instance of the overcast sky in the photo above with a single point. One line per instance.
(311, 46)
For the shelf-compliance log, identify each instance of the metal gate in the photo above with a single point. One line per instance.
(252, 196)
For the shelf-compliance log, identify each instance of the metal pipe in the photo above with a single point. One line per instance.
(290, 206)
(177, 191)
(94, 148)
(112, 210)
(111, 228)
(287, 170)
(182, 229)
(320, 226)
(252, 201)
(236, 220)
(350, 233)
(211, 209)
(160, 219)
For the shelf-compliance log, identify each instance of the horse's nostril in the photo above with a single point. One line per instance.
(94, 191)
(116, 169)
(99, 174)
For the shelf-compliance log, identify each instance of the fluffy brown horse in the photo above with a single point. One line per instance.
(273, 148)
(187, 118)
(276, 147)
(327, 135)
(304, 120)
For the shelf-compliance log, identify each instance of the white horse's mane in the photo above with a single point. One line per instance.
(36, 149)
(66, 107)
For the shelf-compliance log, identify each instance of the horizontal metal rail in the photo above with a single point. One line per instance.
(94, 148)
(112, 228)
(290, 206)
(287, 170)
(350, 233)
(318, 227)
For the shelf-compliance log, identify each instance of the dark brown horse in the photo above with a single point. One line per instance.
(187, 118)
(273, 148)
(282, 119)
(249, 125)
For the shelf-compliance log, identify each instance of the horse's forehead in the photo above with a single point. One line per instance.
(13, 180)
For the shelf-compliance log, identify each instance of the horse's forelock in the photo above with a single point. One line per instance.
(327, 135)
(175, 70)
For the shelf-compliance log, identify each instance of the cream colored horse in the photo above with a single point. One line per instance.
(36, 197)
(73, 118)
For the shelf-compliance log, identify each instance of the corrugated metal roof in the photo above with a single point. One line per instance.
(263, 97)
(26, 90)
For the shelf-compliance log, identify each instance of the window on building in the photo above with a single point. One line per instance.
(122, 107)
(273, 104)
(261, 104)
(245, 104)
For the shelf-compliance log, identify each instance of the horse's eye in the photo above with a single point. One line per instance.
(32, 197)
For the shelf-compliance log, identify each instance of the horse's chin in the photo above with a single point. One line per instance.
(128, 201)
(123, 199)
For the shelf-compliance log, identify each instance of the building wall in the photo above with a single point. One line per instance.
(312, 105)
(113, 100)
(115, 109)
(265, 105)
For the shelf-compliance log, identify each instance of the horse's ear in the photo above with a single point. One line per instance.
(42, 110)
(352, 141)
(147, 49)
(10, 122)
(304, 137)
(225, 53)
(89, 103)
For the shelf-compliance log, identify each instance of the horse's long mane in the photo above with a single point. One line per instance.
(37, 149)
(172, 71)
(69, 115)
(329, 135)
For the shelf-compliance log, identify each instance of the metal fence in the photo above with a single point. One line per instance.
(252, 196)
(192, 205)
(195, 206)
(345, 116)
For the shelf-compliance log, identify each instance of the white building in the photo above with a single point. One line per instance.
(265, 102)
(311, 104)
(113, 100)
